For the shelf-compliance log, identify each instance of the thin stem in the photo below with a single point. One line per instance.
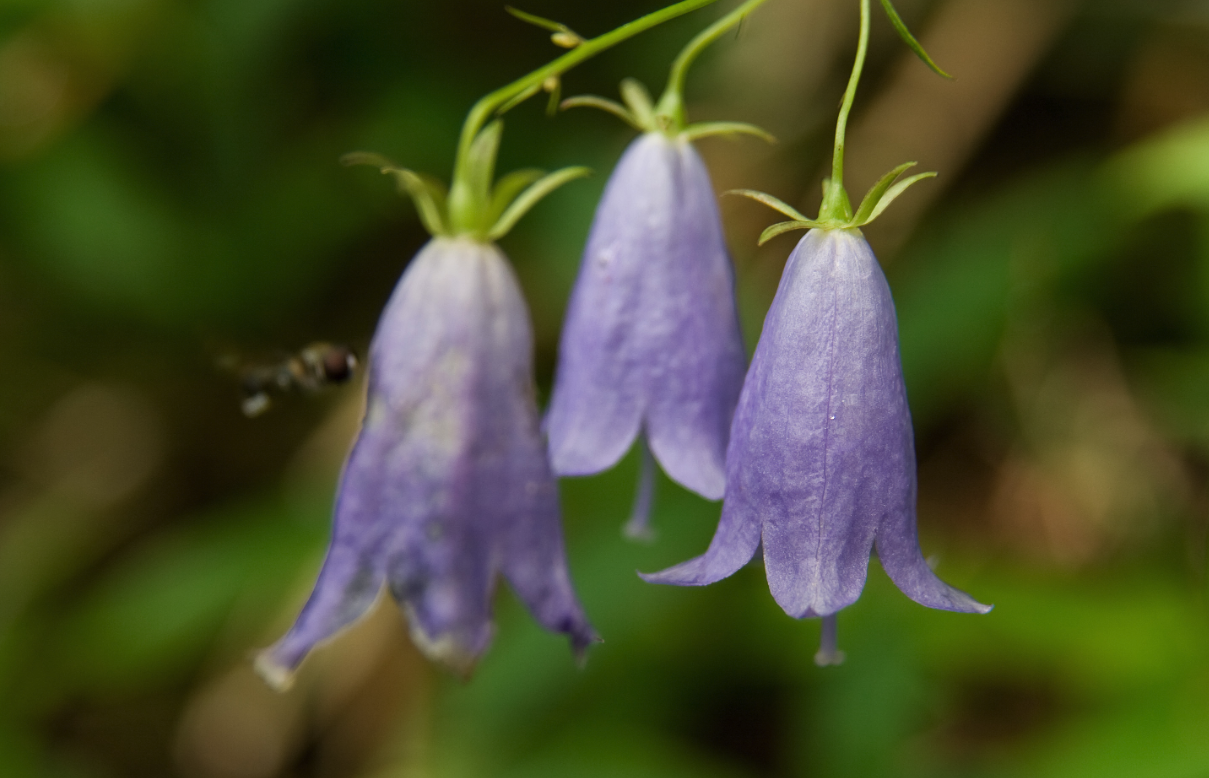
(841, 124)
(671, 103)
(486, 106)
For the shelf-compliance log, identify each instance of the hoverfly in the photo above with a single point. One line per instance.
(309, 370)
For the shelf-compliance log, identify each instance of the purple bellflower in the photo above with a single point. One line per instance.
(448, 482)
(820, 468)
(821, 463)
(651, 343)
(651, 346)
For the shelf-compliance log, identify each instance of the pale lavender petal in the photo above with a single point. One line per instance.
(535, 562)
(898, 551)
(599, 387)
(697, 372)
(349, 581)
(651, 333)
(524, 493)
(733, 546)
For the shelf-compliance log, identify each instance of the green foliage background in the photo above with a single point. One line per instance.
(170, 197)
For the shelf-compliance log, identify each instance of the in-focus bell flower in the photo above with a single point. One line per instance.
(448, 482)
(651, 347)
(821, 464)
(651, 344)
(820, 469)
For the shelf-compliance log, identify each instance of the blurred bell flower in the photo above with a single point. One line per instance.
(448, 483)
(821, 462)
(651, 347)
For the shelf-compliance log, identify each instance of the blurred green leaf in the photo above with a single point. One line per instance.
(955, 287)
(152, 614)
(1167, 170)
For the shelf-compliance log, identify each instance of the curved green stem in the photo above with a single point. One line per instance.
(671, 103)
(835, 200)
(486, 106)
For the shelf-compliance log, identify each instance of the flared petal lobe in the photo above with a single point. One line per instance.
(448, 483)
(651, 341)
(821, 460)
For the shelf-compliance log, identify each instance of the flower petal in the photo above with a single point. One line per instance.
(599, 394)
(696, 370)
(535, 562)
(898, 551)
(733, 546)
(349, 582)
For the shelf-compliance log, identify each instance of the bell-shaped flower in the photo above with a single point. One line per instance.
(651, 347)
(821, 463)
(651, 343)
(820, 469)
(448, 483)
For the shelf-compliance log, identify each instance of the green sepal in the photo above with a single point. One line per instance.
(876, 192)
(480, 162)
(707, 129)
(531, 196)
(781, 228)
(427, 193)
(901, 28)
(836, 208)
(892, 195)
(771, 202)
(371, 158)
(604, 104)
(563, 35)
(635, 96)
(536, 21)
(508, 188)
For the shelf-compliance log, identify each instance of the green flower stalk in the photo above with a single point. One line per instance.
(836, 211)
